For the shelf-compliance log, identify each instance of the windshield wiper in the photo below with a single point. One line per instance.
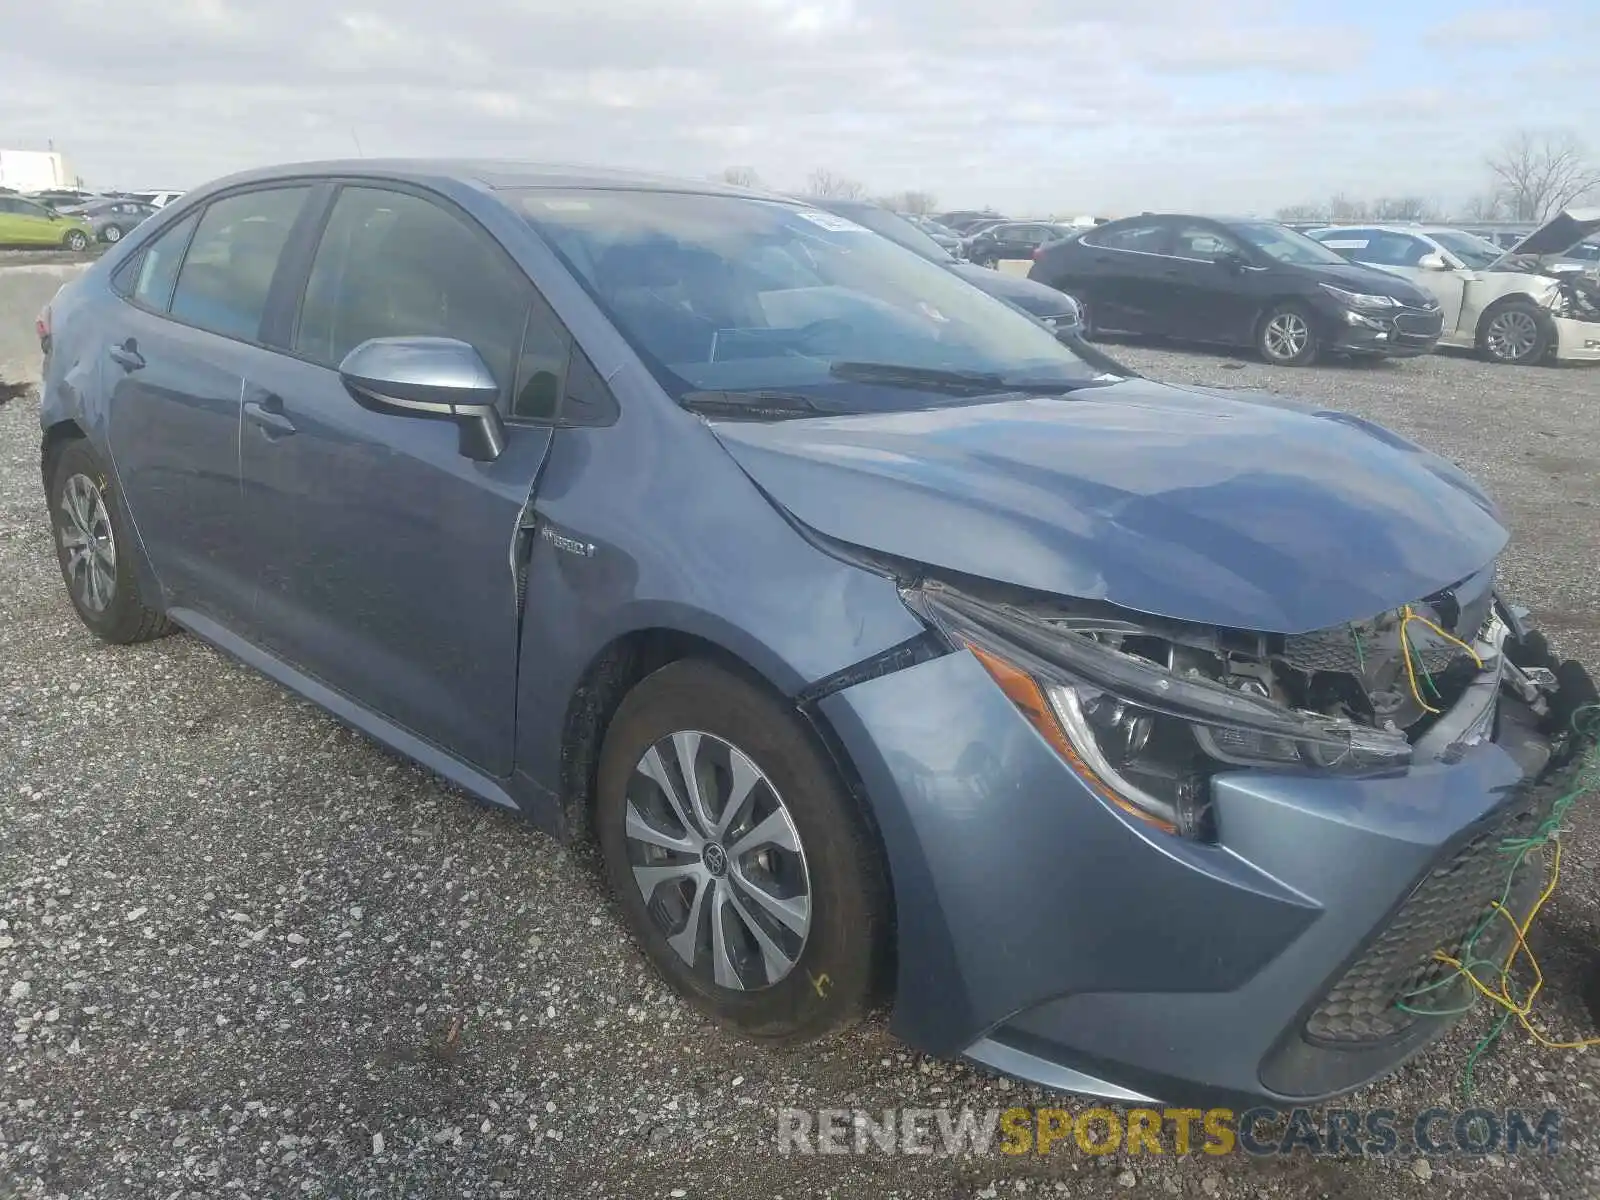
(946, 379)
(751, 406)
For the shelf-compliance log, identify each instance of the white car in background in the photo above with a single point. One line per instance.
(1521, 305)
(155, 199)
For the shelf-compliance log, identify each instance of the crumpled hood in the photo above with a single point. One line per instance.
(1183, 503)
(1557, 235)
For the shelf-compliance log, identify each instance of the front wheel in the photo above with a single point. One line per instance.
(737, 857)
(76, 240)
(1286, 337)
(1518, 333)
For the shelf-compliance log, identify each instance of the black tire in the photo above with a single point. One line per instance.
(76, 240)
(122, 617)
(835, 974)
(112, 234)
(1287, 336)
(1516, 333)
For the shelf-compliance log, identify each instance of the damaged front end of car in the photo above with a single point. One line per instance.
(1146, 710)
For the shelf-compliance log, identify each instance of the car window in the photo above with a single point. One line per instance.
(739, 295)
(1386, 248)
(228, 270)
(392, 264)
(1146, 238)
(1285, 245)
(1203, 242)
(158, 265)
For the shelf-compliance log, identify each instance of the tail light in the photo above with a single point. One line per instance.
(1037, 252)
(41, 326)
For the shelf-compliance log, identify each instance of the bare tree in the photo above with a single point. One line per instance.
(920, 203)
(1343, 208)
(1402, 208)
(1538, 174)
(825, 183)
(741, 176)
(1302, 212)
(1488, 207)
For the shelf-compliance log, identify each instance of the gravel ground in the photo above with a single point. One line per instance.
(242, 949)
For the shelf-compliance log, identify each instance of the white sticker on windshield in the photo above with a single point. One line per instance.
(567, 205)
(830, 222)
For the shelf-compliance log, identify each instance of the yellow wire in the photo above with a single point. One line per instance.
(1407, 615)
(1520, 946)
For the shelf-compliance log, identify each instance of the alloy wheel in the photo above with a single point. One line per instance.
(89, 543)
(716, 856)
(1287, 335)
(1512, 335)
(113, 234)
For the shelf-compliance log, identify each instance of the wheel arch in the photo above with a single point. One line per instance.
(57, 436)
(1541, 315)
(626, 661)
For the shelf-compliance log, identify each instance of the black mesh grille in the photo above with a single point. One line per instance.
(1440, 914)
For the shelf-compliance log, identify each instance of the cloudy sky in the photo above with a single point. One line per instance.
(1029, 105)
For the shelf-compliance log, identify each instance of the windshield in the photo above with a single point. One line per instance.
(1286, 245)
(896, 229)
(732, 295)
(1473, 251)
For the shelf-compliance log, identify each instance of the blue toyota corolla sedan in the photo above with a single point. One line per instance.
(1137, 740)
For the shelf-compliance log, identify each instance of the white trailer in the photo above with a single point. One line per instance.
(33, 170)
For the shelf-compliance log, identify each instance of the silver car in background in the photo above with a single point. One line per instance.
(111, 219)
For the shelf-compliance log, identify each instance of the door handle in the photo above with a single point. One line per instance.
(127, 355)
(269, 415)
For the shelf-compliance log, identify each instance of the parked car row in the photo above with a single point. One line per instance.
(72, 218)
(1388, 291)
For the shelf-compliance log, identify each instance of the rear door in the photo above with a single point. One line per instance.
(176, 357)
(1126, 281)
(386, 569)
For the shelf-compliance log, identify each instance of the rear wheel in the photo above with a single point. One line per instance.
(76, 239)
(737, 857)
(1286, 337)
(93, 547)
(1517, 332)
(112, 233)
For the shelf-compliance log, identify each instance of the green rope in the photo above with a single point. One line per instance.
(1586, 724)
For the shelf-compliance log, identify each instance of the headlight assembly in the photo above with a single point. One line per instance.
(1145, 735)
(1361, 299)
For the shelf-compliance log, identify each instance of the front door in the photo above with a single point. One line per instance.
(24, 223)
(1211, 294)
(387, 568)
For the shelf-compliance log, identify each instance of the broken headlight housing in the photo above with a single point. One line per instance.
(1145, 734)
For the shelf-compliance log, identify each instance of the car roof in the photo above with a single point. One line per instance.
(495, 175)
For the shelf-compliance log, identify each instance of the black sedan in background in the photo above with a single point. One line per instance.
(1013, 239)
(1056, 310)
(1237, 283)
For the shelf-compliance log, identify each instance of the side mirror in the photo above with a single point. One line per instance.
(1231, 260)
(1434, 262)
(52, 214)
(439, 378)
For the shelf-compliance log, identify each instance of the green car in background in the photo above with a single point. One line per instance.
(25, 223)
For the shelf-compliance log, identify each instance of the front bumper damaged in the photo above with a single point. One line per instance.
(1047, 935)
